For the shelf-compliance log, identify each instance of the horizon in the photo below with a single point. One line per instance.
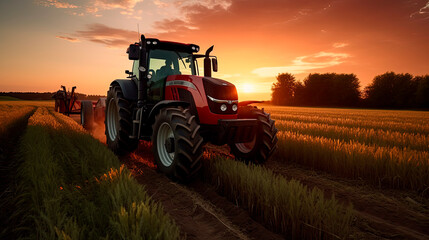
(82, 43)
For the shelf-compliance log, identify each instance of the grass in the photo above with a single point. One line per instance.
(286, 207)
(70, 186)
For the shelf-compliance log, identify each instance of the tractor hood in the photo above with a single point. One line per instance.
(219, 89)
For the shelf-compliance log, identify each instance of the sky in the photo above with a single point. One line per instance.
(49, 43)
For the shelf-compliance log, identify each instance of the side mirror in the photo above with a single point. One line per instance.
(134, 52)
(214, 63)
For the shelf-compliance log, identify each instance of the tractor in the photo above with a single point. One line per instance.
(165, 101)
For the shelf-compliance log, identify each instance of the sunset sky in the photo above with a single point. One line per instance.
(48, 43)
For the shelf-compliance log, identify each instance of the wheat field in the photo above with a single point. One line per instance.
(385, 147)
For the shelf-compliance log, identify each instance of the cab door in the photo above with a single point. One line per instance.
(162, 63)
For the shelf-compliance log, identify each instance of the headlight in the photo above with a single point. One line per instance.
(234, 107)
(223, 107)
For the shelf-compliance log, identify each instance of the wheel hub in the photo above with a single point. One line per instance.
(112, 120)
(169, 145)
(165, 144)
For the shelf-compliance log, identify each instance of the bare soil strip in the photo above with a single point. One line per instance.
(198, 210)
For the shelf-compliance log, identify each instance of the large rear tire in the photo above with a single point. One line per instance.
(87, 115)
(118, 122)
(264, 142)
(177, 144)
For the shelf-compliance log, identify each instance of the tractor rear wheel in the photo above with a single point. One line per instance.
(118, 122)
(264, 142)
(87, 115)
(177, 144)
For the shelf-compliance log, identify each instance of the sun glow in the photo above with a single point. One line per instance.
(247, 88)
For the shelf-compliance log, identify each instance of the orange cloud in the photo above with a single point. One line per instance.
(70, 39)
(340, 45)
(304, 64)
(56, 4)
(111, 37)
(112, 4)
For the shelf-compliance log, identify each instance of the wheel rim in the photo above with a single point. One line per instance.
(164, 134)
(246, 147)
(112, 119)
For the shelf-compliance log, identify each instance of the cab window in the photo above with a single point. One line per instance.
(136, 68)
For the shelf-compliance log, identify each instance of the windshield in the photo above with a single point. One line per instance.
(163, 63)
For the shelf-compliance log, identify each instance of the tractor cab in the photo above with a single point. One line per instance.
(161, 59)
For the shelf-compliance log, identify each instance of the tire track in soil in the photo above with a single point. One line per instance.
(196, 207)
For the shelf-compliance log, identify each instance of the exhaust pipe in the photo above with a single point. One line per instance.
(207, 63)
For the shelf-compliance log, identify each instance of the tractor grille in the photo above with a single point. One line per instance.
(221, 90)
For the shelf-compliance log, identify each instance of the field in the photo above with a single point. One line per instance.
(337, 174)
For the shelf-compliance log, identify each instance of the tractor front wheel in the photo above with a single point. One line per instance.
(177, 144)
(264, 142)
(118, 122)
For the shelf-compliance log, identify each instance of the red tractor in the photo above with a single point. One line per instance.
(167, 102)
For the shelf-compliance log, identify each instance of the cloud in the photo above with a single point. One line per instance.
(112, 4)
(340, 45)
(93, 6)
(70, 39)
(305, 63)
(108, 36)
(161, 4)
(56, 4)
(423, 12)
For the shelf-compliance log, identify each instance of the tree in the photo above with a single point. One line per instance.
(391, 90)
(422, 91)
(330, 89)
(283, 90)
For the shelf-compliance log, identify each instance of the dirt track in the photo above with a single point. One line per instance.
(199, 211)
(202, 214)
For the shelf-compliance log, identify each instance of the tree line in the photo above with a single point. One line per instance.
(388, 90)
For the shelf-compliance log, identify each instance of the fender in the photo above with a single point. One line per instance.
(162, 104)
(128, 87)
(145, 129)
(245, 103)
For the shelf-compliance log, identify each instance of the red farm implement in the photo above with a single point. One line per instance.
(89, 111)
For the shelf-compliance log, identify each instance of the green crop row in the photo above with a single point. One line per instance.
(397, 168)
(70, 186)
(286, 207)
(362, 135)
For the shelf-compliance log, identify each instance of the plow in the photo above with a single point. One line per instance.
(90, 111)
